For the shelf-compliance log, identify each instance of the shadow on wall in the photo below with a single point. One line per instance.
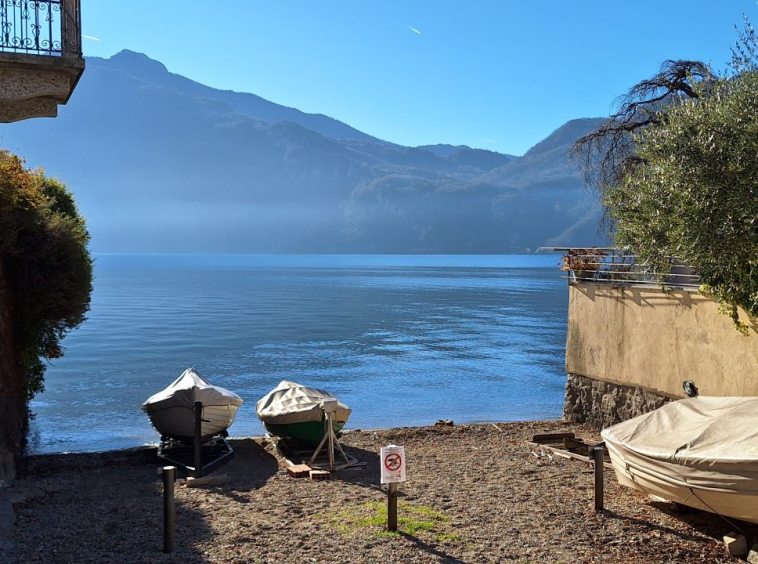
(655, 298)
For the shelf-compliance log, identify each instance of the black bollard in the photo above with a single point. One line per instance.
(169, 508)
(598, 454)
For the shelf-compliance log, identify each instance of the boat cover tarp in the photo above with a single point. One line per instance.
(189, 388)
(709, 443)
(292, 403)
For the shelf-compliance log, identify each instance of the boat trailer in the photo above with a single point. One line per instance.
(199, 457)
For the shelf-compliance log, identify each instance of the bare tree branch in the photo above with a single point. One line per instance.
(607, 154)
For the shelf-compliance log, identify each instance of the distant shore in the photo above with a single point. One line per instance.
(475, 494)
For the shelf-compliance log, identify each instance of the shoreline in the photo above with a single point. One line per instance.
(476, 493)
(261, 436)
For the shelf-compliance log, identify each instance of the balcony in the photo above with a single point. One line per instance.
(617, 268)
(40, 56)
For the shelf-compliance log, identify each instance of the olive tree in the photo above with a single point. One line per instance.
(695, 194)
(676, 168)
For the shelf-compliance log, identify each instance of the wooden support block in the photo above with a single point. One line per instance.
(320, 475)
(298, 470)
(552, 437)
(572, 444)
(206, 481)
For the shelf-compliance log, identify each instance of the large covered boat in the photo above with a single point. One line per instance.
(701, 452)
(172, 410)
(297, 412)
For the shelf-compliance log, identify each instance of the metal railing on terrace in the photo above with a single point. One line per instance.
(608, 265)
(41, 27)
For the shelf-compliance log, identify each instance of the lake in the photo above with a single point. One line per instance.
(403, 340)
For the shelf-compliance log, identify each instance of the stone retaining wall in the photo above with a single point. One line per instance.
(601, 404)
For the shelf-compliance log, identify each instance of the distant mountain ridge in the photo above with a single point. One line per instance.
(140, 65)
(161, 163)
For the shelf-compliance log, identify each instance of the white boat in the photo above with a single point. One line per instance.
(172, 411)
(701, 452)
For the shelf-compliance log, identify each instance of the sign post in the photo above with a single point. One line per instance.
(393, 471)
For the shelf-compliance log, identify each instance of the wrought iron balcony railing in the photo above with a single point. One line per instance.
(619, 268)
(41, 27)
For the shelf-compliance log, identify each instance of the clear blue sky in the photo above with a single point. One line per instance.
(495, 74)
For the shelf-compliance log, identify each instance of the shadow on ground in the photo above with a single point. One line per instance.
(701, 523)
(252, 465)
(366, 474)
(706, 523)
(429, 549)
(115, 494)
(250, 469)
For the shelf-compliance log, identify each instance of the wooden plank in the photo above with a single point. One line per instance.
(552, 437)
(583, 456)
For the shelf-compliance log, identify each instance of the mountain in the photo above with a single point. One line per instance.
(547, 161)
(160, 163)
(139, 65)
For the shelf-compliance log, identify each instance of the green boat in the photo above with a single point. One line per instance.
(296, 412)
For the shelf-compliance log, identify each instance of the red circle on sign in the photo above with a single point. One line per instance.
(393, 462)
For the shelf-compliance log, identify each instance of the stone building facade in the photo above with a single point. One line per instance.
(41, 57)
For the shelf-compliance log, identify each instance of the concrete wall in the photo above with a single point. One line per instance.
(651, 341)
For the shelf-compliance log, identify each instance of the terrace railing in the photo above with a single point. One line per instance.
(41, 27)
(620, 268)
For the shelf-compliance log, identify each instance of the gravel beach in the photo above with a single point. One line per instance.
(475, 494)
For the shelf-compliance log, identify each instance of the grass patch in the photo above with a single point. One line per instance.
(414, 520)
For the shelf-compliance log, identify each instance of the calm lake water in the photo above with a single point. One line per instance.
(403, 340)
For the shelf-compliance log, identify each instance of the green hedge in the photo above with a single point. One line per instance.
(45, 264)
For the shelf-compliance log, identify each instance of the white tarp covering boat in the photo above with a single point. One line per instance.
(172, 411)
(292, 403)
(701, 452)
(292, 410)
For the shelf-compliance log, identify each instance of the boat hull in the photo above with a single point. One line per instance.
(737, 505)
(179, 421)
(309, 432)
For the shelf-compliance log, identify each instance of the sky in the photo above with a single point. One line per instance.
(493, 74)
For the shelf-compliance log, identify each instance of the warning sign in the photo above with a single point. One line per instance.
(393, 464)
